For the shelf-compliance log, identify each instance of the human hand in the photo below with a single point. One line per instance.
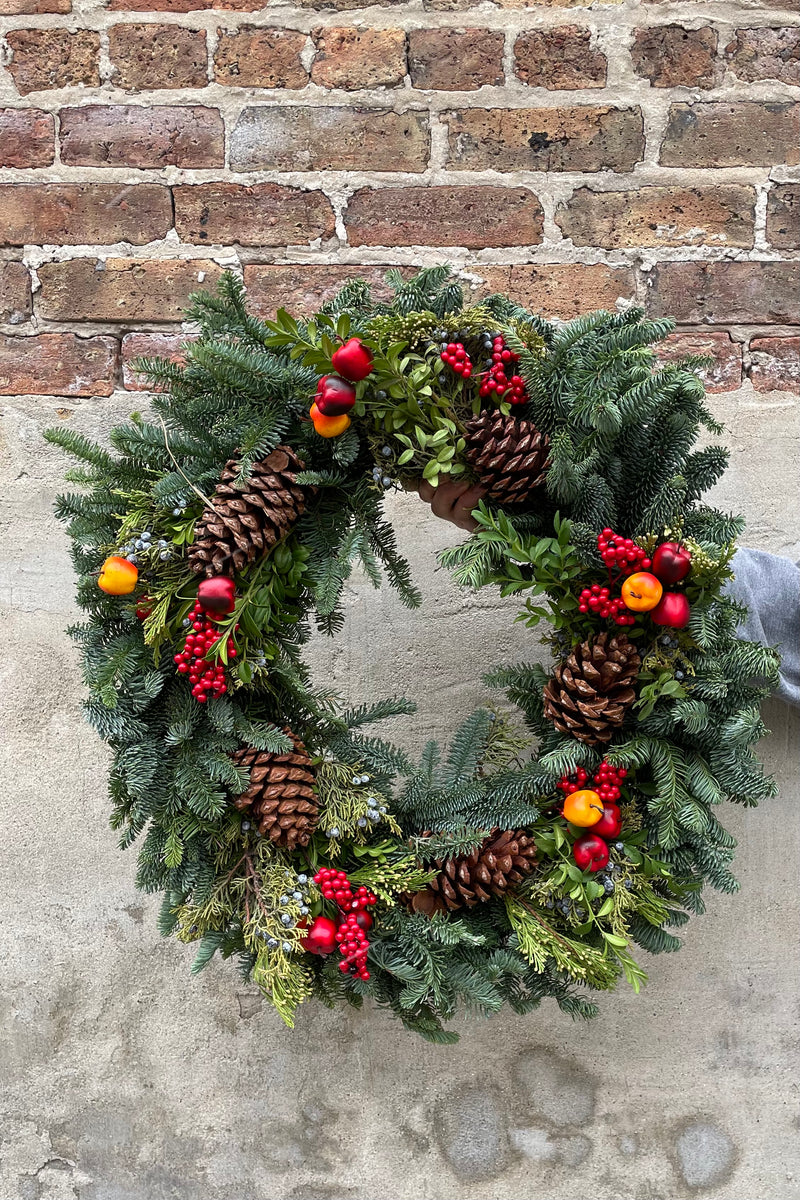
(453, 501)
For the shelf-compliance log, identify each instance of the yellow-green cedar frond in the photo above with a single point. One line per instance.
(349, 806)
(539, 943)
(285, 981)
(388, 878)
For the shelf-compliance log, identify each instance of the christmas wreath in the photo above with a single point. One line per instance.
(216, 529)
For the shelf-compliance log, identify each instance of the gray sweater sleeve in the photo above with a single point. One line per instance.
(770, 587)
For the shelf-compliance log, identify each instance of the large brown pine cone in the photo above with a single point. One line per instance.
(503, 859)
(510, 457)
(281, 793)
(590, 693)
(248, 519)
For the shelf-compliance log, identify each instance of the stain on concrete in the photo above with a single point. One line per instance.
(249, 1004)
(705, 1154)
(540, 1146)
(471, 1127)
(557, 1089)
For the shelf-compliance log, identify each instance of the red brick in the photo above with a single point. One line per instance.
(475, 217)
(722, 215)
(42, 59)
(563, 290)
(27, 138)
(253, 57)
(30, 8)
(283, 138)
(671, 56)
(15, 292)
(359, 58)
(737, 134)
(783, 216)
(725, 293)
(148, 57)
(559, 59)
(122, 289)
(68, 214)
(775, 364)
(57, 364)
(151, 136)
(725, 375)
(765, 54)
(150, 345)
(456, 60)
(587, 138)
(266, 214)
(304, 289)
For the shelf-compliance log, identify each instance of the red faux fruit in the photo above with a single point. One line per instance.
(610, 823)
(321, 937)
(671, 562)
(364, 920)
(353, 360)
(334, 396)
(218, 594)
(672, 610)
(144, 608)
(590, 852)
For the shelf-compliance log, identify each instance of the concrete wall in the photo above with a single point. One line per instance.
(124, 1079)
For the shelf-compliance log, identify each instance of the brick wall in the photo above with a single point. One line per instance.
(577, 156)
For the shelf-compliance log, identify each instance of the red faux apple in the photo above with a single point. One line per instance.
(218, 594)
(610, 823)
(590, 852)
(321, 937)
(334, 396)
(672, 610)
(364, 920)
(671, 562)
(353, 360)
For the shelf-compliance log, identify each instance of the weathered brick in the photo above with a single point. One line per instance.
(671, 56)
(725, 374)
(253, 57)
(150, 345)
(775, 364)
(736, 134)
(129, 136)
(723, 293)
(185, 6)
(30, 8)
(563, 290)
(57, 364)
(444, 216)
(783, 216)
(722, 215)
(559, 59)
(359, 58)
(276, 137)
(765, 54)
(148, 57)
(460, 5)
(122, 289)
(66, 214)
(15, 292)
(458, 60)
(266, 214)
(304, 289)
(42, 59)
(27, 137)
(545, 139)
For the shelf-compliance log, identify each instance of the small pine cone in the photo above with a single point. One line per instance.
(503, 859)
(281, 795)
(248, 519)
(510, 457)
(592, 690)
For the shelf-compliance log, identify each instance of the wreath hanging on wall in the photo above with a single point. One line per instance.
(211, 535)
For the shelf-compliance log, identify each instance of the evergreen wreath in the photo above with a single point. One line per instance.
(283, 833)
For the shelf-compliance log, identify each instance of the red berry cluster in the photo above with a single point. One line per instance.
(456, 357)
(573, 782)
(206, 677)
(606, 780)
(351, 934)
(597, 600)
(496, 380)
(621, 553)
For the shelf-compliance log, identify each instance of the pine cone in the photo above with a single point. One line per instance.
(504, 858)
(590, 693)
(248, 519)
(281, 793)
(510, 457)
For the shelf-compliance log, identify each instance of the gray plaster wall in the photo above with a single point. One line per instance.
(124, 1079)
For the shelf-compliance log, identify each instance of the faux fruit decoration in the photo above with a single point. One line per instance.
(353, 360)
(590, 852)
(218, 594)
(583, 808)
(672, 610)
(117, 576)
(321, 937)
(329, 427)
(334, 396)
(641, 591)
(671, 562)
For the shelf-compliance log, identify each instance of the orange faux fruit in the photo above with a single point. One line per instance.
(641, 591)
(583, 808)
(329, 427)
(117, 576)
